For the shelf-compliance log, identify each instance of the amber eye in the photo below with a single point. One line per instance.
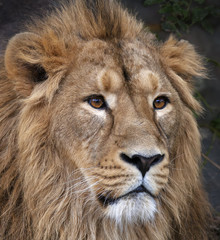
(160, 102)
(97, 102)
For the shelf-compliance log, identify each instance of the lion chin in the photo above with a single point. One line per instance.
(130, 209)
(98, 138)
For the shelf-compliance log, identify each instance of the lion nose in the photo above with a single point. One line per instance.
(141, 162)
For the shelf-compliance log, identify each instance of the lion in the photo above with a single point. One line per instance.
(98, 138)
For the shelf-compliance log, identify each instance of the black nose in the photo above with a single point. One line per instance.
(142, 163)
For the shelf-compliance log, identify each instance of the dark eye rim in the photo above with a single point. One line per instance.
(166, 100)
(89, 99)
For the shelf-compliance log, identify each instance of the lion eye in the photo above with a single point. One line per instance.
(97, 102)
(160, 102)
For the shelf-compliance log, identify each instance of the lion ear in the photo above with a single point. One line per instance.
(182, 65)
(23, 62)
(181, 57)
(31, 59)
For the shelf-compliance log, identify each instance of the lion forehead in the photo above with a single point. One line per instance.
(109, 80)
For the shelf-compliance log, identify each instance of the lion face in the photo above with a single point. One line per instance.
(117, 123)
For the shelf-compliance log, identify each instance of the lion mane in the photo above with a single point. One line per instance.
(66, 164)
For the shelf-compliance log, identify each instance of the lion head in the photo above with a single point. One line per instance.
(98, 136)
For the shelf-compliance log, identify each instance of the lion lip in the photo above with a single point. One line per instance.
(109, 201)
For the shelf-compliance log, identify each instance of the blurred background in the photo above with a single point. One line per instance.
(197, 21)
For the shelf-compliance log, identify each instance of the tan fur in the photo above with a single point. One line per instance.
(58, 154)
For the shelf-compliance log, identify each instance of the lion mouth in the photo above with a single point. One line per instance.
(109, 201)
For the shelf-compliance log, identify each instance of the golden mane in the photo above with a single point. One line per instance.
(35, 201)
(91, 19)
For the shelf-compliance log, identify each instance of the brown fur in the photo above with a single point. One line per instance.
(57, 155)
